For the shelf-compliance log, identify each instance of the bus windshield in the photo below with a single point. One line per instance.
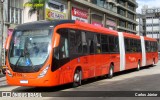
(29, 50)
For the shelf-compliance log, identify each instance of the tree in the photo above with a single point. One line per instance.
(35, 6)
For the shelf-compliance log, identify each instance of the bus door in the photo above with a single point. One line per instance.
(63, 56)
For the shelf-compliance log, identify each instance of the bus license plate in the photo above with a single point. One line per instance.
(24, 81)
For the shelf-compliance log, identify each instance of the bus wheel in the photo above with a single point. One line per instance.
(77, 78)
(138, 66)
(111, 71)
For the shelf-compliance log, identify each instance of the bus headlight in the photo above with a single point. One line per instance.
(43, 73)
(8, 72)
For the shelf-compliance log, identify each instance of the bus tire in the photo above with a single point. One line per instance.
(111, 71)
(77, 78)
(138, 66)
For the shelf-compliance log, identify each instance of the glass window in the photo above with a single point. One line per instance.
(147, 46)
(79, 42)
(99, 2)
(104, 42)
(122, 23)
(16, 16)
(111, 43)
(12, 15)
(116, 45)
(63, 49)
(16, 11)
(98, 44)
(20, 17)
(75, 41)
(84, 42)
(29, 49)
(127, 44)
(139, 46)
(72, 35)
(12, 3)
(90, 42)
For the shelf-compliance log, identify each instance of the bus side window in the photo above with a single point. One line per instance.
(127, 44)
(111, 43)
(98, 43)
(105, 43)
(90, 42)
(84, 42)
(116, 44)
(75, 41)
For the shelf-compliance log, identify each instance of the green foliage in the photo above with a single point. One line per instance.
(35, 6)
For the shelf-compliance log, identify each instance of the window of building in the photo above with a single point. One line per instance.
(131, 7)
(130, 26)
(121, 12)
(122, 23)
(131, 16)
(15, 11)
(122, 2)
(98, 2)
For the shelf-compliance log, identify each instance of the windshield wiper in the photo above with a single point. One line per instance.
(21, 55)
(27, 56)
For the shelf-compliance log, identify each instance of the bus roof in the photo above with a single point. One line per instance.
(149, 39)
(129, 35)
(94, 28)
(47, 24)
(42, 24)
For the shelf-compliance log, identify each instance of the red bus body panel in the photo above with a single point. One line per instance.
(92, 65)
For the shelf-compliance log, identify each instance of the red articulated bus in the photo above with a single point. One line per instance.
(52, 53)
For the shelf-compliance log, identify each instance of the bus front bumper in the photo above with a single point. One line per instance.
(35, 82)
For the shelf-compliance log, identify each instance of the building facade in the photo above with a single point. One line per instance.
(152, 19)
(117, 15)
(141, 27)
(114, 14)
(4, 13)
(12, 16)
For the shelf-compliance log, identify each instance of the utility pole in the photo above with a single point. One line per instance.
(2, 28)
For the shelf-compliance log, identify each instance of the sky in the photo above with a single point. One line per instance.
(150, 3)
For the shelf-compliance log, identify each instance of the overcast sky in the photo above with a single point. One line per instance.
(150, 3)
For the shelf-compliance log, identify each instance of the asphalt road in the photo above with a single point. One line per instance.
(147, 79)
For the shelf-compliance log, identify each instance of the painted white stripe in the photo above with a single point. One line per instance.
(143, 51)
(122, 51)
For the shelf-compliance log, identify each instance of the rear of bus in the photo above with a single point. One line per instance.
(29, 56)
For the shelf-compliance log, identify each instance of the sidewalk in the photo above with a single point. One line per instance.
(1, 75)
(3, 80)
